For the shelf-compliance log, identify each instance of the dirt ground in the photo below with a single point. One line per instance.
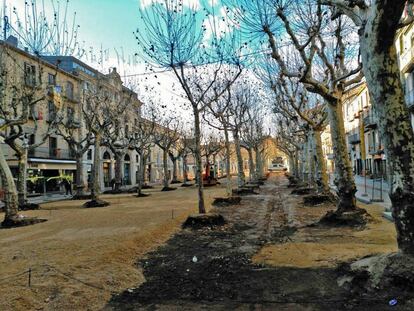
(80, 257)
(266, 258)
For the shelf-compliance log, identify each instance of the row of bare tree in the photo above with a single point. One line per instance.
(318, 51)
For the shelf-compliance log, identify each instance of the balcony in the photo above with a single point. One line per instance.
(354, 139)
(407, 60)
(370, 122)
(409, 99)
(73, 123)
(72, 96)
(372, 150)
(47, 153)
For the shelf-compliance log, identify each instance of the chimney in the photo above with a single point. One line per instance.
(12, 40)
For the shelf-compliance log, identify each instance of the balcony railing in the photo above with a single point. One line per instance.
(56, 153)
(354, 139)
(409, 99)
(73, 123)
(72, 96)
(407, 59)
(370, 121)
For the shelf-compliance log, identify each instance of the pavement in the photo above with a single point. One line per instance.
(51, 197)
(371, 191)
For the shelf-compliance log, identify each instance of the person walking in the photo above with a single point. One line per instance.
(68, 187)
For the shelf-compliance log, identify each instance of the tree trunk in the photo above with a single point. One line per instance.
(252, 173)
(228, 154)
(96, 182)
(10, 191)
(22, 178)
(175, 169)
(302, 164)
(166, 179)
(141, 172)
(118, 171)
(259, 163)
(344, 179)
(297, 165)
(241, 178)
(199, 163)
(79, 175)
(185, 173)
(322, 174)
(311, 160)
(379, 57)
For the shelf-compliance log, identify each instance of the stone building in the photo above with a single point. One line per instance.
(53, 86)
(63, 81)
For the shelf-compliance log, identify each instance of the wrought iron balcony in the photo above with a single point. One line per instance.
(354, 139)
(409, 99)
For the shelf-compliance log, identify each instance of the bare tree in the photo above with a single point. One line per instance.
(141, 140)
(102, 108)
(166, 136)
(44, 33)
(290, 137)
(174, 38)
(242, 97)
(19, 95)
(69, 128)
(294, 101)
(320, 50)
(117, 137)
(253, 137)
(18, 138)
(377, 23)
(211, 147)
(184, 149)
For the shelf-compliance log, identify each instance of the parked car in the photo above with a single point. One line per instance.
(277, 167)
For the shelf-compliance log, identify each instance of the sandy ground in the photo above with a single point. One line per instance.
(266, 257)
(312, 247)
(80, 257)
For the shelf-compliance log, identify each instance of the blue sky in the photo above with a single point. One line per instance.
(111, 23)
(108, 22)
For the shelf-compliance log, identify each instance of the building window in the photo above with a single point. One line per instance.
(51, 111)
(69, 90)
(31, 142)
(70, 113)
(89, 154)
(53, 151)
(29, 74)
(51, 79)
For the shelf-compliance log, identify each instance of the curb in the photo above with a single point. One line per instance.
(365, 200)
(387, 215)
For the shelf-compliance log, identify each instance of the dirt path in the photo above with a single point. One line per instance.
(224, 277)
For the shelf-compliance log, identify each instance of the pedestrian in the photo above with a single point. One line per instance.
(68, 187)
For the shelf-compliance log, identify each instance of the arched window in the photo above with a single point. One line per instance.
(127, 158)
(106, 156)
